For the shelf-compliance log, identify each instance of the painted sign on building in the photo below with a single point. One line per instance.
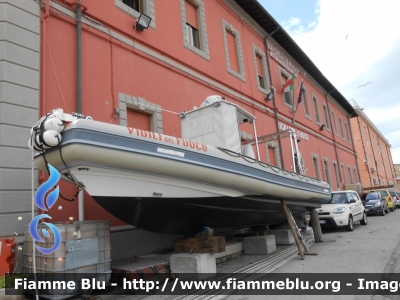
(299, 133)
(282, 59)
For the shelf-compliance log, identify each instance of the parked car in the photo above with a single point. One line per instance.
(385, 194)
(344, 209)
(374, 204)
(395, 196)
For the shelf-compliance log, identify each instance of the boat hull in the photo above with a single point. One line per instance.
(189, 216)
(169, 185)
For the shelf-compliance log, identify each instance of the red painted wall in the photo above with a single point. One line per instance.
(111, 67)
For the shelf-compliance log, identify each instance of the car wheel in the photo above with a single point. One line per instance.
(350, 225)
(364, 220)
(383, 212)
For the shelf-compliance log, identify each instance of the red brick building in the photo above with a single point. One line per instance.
(373, 152)
(191, 50)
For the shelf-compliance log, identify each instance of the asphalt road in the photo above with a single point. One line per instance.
(374, 248)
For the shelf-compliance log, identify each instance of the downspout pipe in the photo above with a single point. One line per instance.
(274, 100)
(365, 152)
(333, 134)
(373, 153)
(354, 146)
(78, 58)
(81, 204)
(383, 162)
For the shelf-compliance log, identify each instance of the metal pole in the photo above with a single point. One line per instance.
(81, 206)
(255, 136)
(291, 148)
(334, 139)
(301, 171)
(274, 100)
(78, 59)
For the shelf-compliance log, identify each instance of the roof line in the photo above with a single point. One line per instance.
(259, 14)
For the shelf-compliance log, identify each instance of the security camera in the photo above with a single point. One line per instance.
(366, 162)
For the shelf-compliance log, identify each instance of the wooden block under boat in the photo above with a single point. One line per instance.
(204, 244)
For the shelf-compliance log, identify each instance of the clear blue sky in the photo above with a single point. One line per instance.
(352, 42)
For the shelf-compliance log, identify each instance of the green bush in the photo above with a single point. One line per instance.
(9, 280)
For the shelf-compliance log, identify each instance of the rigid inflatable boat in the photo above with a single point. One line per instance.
(211, 177)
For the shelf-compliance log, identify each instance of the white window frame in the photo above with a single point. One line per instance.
(335, 130)
(341, 128)
(355, 175)
(227, 27)
(326, 116)
(343, 173)
(316, 109)
(273, 145)
(141, 105)
(346, 126)
(337, 174)
(148, 9)
(258, 52)
(306, 104)
(316, 169)
(204, 50)
(349, 170)
(325, 165)
(286, 74)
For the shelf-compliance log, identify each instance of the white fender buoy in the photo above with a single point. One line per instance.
(58, 113)
(50, 138)
(53, 124)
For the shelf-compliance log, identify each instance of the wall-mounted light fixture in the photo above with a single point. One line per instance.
(182, 115)
(322, 127)
(269, 96)
(142, 22)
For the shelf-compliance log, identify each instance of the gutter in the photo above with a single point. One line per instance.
(81, 198)
(272, 88)
(365, 152)
(354, 147)
(334, 139)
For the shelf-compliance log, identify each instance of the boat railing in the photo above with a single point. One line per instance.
(275, 136)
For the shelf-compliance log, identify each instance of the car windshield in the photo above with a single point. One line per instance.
(339, 198)
(371, 201)
(393, 194)
(372, 196)
(383, 193)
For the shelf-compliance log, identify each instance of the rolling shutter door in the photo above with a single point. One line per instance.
(138, 120)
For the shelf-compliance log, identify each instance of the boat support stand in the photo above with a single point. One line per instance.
(301, 245)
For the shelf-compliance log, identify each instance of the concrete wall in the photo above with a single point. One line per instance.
(126, 243)
(19, 104)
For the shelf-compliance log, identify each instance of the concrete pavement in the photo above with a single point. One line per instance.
(374, 248)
